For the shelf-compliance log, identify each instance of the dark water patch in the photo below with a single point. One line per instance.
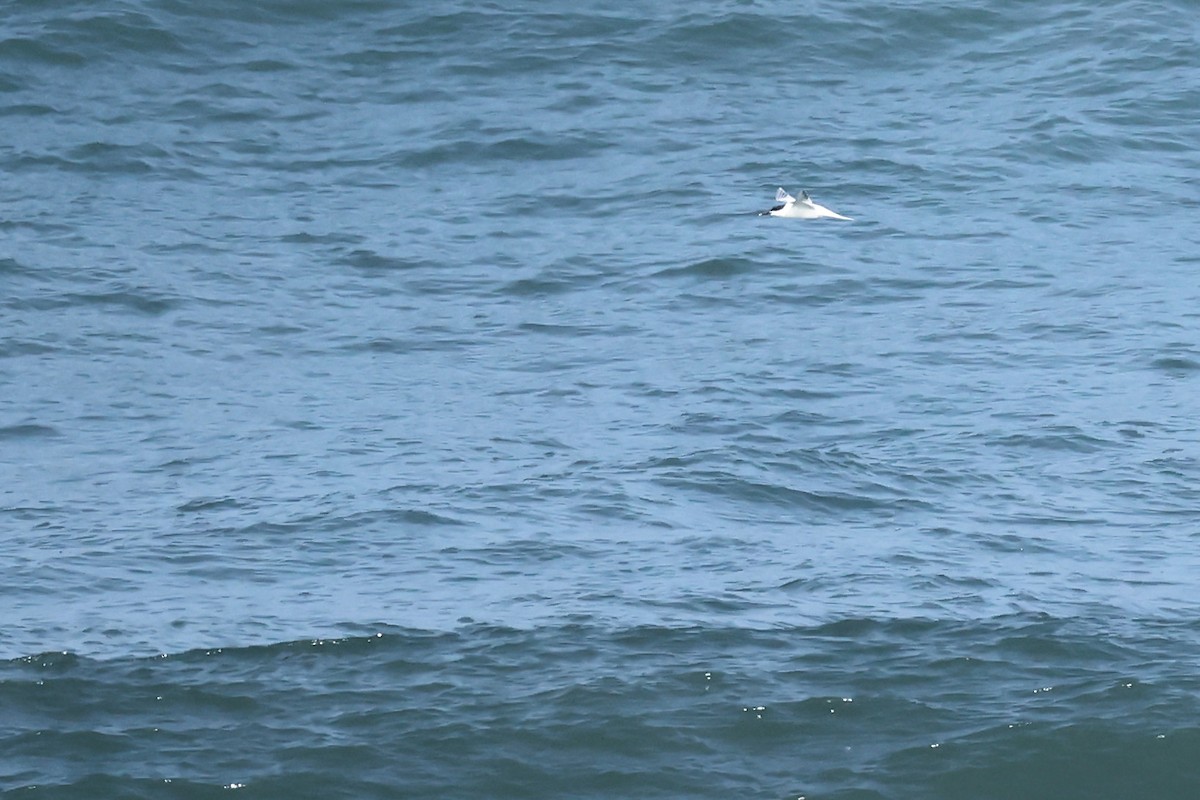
(1059, 437)
(911, 701)
(318, 536)
(755, 492)
(961, 335)
(1072, 147)
(44, 51)
(57, 661)
(1010, 542)
(407, 516)
(98, 784)
(374, 58)
(365, 520)
(371, 261)
(1087, 759)
(795, 394)
(200, 101)
(269, 65)
(29, 431)
(860, 627)
(552, 329)
(1046, 642)
(202, 504)
(721, 37)
(281, 330)
(105, 158)
(839, 290)
(457, 25)
(27, 109)
(567, 206)
(285, 12)
(1180, 366)
(710, 605)
(421, 95)
(522, 149)
(332, 239)
(520, 552)
(1049, 519)
(10, 267)
(111, 35)
(142, 302)
(1004, 284)
(425, 341)
(620, 507)
(714, 424)
(709, 268)
(189, 246)
(539, 287)
(1069, 331)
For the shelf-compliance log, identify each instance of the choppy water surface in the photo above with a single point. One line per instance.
(405, 402)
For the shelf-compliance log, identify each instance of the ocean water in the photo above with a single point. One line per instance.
(406, 400)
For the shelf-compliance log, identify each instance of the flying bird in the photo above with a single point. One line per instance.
(804, 208)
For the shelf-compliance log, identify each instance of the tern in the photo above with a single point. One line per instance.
(804, 208)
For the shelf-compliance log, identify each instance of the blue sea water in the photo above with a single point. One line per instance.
(407, 401)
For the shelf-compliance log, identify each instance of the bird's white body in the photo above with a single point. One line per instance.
(804, 208)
